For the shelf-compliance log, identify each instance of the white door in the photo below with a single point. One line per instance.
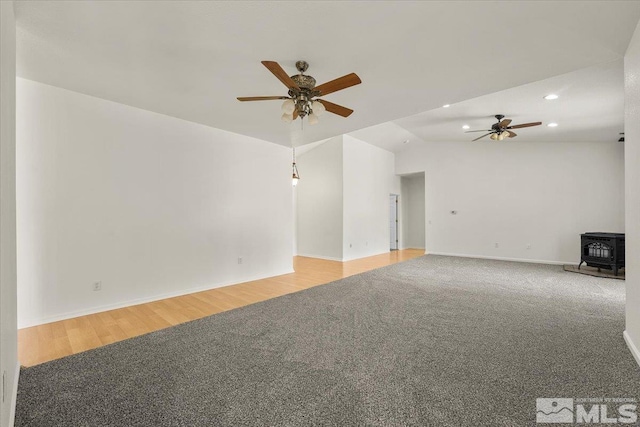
(393, 221)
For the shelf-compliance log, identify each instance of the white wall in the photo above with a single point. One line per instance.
(369, 179)
(152, 206)
(413, 204)
(319, 197)
(518, 194)
(632, 192)
(294, 208)
(343, 199)
(8, 330)
(395, 187)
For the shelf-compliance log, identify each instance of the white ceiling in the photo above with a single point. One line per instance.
(388, 136)
(192, 59)
(590, 108)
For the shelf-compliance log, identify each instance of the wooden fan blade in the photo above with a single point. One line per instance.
(503, 124)
(482, 136)
(338, 84)
(483, 130)
(277, 71)
(261, 98)
(335, 108)
(512, 134)
(524, 125)
(295, 114)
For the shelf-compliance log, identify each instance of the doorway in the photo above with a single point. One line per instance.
(393, 222)
(413, 211)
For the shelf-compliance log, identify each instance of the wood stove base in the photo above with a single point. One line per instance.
(613, 268)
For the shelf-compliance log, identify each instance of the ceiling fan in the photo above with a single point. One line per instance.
(501, 130)
(303, 90)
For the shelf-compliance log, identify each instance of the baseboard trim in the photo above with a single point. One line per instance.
(346, 259)
(531, 261)
(632, 347)
(328, 258)
(14, 396)
(137, 301)
(369, 255)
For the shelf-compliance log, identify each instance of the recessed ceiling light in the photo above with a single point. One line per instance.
(552, 125)
(465, 126)
(551, 96)
(446, 106)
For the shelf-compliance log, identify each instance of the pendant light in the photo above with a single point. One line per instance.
(296, 176)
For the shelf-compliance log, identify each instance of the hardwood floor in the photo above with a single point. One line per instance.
(50, 341)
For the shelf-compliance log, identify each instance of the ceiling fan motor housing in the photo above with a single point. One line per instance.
(305, 82)
(496, 126)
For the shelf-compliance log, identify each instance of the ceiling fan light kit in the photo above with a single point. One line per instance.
(501, 130)
(500, 136)
(318, 108)
(288, 106)
(303, 93)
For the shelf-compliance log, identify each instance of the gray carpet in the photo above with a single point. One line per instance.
(436, 341)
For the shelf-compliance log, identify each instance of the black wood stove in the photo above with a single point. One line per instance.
(602, 250)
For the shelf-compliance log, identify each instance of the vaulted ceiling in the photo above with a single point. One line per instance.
(192, 59)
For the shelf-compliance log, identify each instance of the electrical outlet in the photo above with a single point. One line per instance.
(97, 286)
(497, 245)
(239, 260)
